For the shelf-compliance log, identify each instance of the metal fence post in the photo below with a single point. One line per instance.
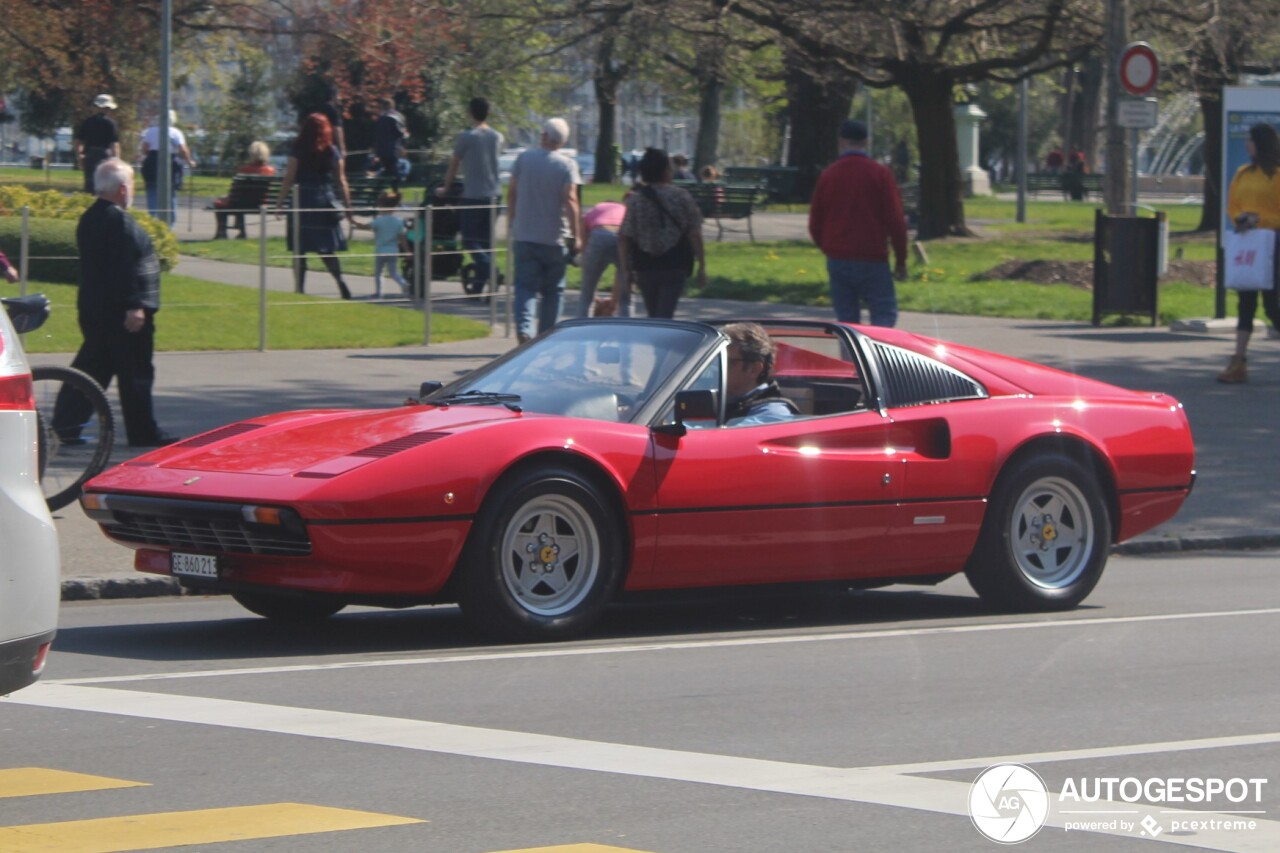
(24, 251)
(262, 278)
(299, 258)
(426, 275)
(492, 284)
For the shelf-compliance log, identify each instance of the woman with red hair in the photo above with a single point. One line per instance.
(315, 166)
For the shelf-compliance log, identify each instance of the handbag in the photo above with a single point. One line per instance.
(678, 257)
(1249, 259)
(602, 306)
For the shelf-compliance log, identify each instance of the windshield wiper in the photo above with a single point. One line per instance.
(482, 398)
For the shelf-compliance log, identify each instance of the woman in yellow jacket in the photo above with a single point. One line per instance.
(1253, 201)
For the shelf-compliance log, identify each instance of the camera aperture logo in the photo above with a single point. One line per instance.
(1008, 803)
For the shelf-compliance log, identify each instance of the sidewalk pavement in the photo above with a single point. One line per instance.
(1237, 429)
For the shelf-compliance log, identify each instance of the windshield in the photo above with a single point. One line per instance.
(598, 370)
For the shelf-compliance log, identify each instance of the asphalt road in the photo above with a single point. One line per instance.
(784, 722)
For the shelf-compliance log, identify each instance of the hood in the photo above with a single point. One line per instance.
(322, 443)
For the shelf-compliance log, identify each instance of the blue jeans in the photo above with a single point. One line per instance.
(601, 251)
(153, 204)
(476, 228)
(855, 282)
(539, 270)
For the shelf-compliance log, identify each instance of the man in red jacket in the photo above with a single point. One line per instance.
(855, 214)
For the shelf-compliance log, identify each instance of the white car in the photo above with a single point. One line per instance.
(30, 570)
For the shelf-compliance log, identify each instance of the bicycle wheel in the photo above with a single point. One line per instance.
(72, 453)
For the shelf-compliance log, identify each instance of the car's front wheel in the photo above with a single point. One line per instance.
(1044, 542)
(287, 608)
(544, 559)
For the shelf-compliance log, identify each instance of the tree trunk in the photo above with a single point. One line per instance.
(941, 206)
(706, 148)
(607, 80)
(815, 110)
(1211, 114)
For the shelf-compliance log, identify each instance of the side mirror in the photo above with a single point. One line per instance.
(426, 389)
(697, 406)
(692, 406)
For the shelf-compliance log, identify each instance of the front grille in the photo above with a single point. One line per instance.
(201, 526)
(912, 379)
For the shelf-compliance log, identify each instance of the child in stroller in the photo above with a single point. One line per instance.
(446, 245)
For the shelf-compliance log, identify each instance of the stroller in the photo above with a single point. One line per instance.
(446, 240)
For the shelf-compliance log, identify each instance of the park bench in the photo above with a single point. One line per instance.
(246, 195)
(1058, 183)
(725, 201)
(777, 182)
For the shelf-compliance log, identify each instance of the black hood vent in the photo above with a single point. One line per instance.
(398, 445)
(218, 435)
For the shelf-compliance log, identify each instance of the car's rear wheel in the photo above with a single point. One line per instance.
(287, 608)
(1044, 542)
(544, 558)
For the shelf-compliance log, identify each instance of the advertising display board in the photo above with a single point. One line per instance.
(1242, 107)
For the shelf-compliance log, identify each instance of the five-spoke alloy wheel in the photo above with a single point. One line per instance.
(544, 558)
(1044, 542)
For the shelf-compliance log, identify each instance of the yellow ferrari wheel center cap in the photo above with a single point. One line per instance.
(1049, 533)
(547, 554)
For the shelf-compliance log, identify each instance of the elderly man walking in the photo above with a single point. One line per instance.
(542, 203)
(118, 297)
(855, 214)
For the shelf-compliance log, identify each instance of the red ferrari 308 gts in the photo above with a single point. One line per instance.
(597, 458)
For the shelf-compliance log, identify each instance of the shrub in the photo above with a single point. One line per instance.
(52, 245)
(51, 212)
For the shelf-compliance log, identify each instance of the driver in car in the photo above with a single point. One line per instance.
(754, 398)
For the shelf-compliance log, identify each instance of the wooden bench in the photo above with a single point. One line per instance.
(725, 201)
(778, 183)
(1061, 183)
(246, 195)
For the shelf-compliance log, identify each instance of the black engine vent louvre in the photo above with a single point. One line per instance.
(218, 434)
(398, 445)
(912, 379)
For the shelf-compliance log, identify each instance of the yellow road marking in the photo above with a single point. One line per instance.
(34, 781)
(573, 848)
(173, 829)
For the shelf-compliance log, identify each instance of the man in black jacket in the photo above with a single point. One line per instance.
(119, 296)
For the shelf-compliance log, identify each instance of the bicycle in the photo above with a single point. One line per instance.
(72, 454)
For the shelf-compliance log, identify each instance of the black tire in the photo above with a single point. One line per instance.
(69, 459)
(287, 608)
(516, 580)
(1045, 539)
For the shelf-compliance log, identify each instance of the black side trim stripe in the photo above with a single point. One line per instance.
(822, 505)
(418, 519)
(1159, 490)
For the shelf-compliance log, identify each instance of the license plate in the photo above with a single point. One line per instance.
(194, 565)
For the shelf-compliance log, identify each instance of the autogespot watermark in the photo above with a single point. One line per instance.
(1010, 803)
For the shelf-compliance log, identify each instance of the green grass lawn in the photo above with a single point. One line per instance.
(200, 315)
(795, 273)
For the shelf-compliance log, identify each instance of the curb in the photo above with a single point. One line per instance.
(90, 589)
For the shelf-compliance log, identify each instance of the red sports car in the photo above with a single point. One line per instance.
(598, 458)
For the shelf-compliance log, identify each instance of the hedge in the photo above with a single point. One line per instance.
(52, 222)
(50, 239)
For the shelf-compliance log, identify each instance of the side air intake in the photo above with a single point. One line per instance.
(912, 379)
